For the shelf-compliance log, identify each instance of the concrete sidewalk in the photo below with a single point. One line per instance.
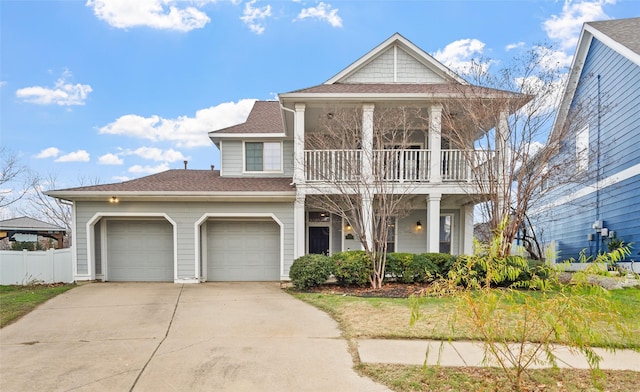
(460, 353)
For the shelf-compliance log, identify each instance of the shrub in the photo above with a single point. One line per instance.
(310, 271)
(399, 266)
(352, 267)
(443, 262)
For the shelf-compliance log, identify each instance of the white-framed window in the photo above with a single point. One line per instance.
(446, 233)
(582, 149)
(263, 156)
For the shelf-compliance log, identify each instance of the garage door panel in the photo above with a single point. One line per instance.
(243, 251)
(139, 250)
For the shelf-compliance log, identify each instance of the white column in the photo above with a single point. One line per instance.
(435, 140)
(467, 227)
(299, 226)
(367, 142)
(298, 144)
(433, 223)
(367, 218)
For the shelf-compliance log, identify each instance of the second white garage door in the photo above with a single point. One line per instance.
(243, 251)
(140, 250)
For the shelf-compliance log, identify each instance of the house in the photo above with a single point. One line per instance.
(252, 218)
(604, 76)
(26, 229)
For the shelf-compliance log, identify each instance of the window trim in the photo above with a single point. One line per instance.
(244, 156)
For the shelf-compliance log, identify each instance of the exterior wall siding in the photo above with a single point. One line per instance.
(411, 70)
(381, 70)
(231, 159)
(185, 214)
(618, 130)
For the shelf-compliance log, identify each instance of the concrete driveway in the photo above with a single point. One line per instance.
(168, 337)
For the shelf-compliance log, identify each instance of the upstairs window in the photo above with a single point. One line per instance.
(582, 150)
(263, 156)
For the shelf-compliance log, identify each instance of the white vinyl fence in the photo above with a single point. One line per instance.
(25, 267)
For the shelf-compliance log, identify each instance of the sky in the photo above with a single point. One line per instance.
(111, 90)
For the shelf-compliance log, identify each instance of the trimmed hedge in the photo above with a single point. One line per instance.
(418, 268)
(352, 267)
(310, 271)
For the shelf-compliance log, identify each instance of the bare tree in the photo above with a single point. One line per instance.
(516, 156)
(367, 187)
(15, 178)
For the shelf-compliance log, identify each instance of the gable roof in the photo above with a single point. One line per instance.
(27, 223)
(621, 35)
(265, 118)
(179, 182)
(408, 47)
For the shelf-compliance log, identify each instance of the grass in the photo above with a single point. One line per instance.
(388, 318)
(443, 379)
(16, 301)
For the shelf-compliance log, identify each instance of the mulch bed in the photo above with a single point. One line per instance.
(388, 290)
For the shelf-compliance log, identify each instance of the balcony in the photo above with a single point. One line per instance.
(392, 165)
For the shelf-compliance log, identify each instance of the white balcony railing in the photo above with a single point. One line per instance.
(395, 165)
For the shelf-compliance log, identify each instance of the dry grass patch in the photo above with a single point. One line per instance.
(446, 379)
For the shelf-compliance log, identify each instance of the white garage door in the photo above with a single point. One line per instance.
(140, 251)
(243, 251)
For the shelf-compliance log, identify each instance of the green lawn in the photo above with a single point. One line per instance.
(16, 301)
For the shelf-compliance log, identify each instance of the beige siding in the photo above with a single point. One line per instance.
(406, 67)
(185, 214)
(380, 70)
(231, 158)
(411, 70)
(408, 238)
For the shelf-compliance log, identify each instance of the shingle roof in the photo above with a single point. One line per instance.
(265, 117)
(191, 181)
(624, 31)
(27, 223)
(395, 88)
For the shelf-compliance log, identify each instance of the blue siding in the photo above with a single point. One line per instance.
(618, 205)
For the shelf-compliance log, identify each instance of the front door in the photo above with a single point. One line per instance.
(319, 240)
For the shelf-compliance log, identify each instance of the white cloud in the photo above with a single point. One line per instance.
(552, 59)
(110, 159)
(184, 131)
(63, 93)
(565, 28)
(459, 55)
(322, 12)
(254, 17)
(3, 83)
(157, 14)
(515, 45)
(139, 169)
(158, 154)
(50, 152)
(76, 156)
(120, 178)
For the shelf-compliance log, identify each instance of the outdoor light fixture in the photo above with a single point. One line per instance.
(419, 225)
(113, 199)
(348, 227)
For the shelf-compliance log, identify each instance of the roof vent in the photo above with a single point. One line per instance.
(213, 167)
(185, 165)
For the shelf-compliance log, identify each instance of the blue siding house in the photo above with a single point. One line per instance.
(605, 74)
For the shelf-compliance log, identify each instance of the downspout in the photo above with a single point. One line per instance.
(598, 212)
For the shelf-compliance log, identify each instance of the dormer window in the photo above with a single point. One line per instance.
(263, 156)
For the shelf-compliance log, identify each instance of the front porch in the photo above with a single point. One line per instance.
(397, 165)
(430, 226)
